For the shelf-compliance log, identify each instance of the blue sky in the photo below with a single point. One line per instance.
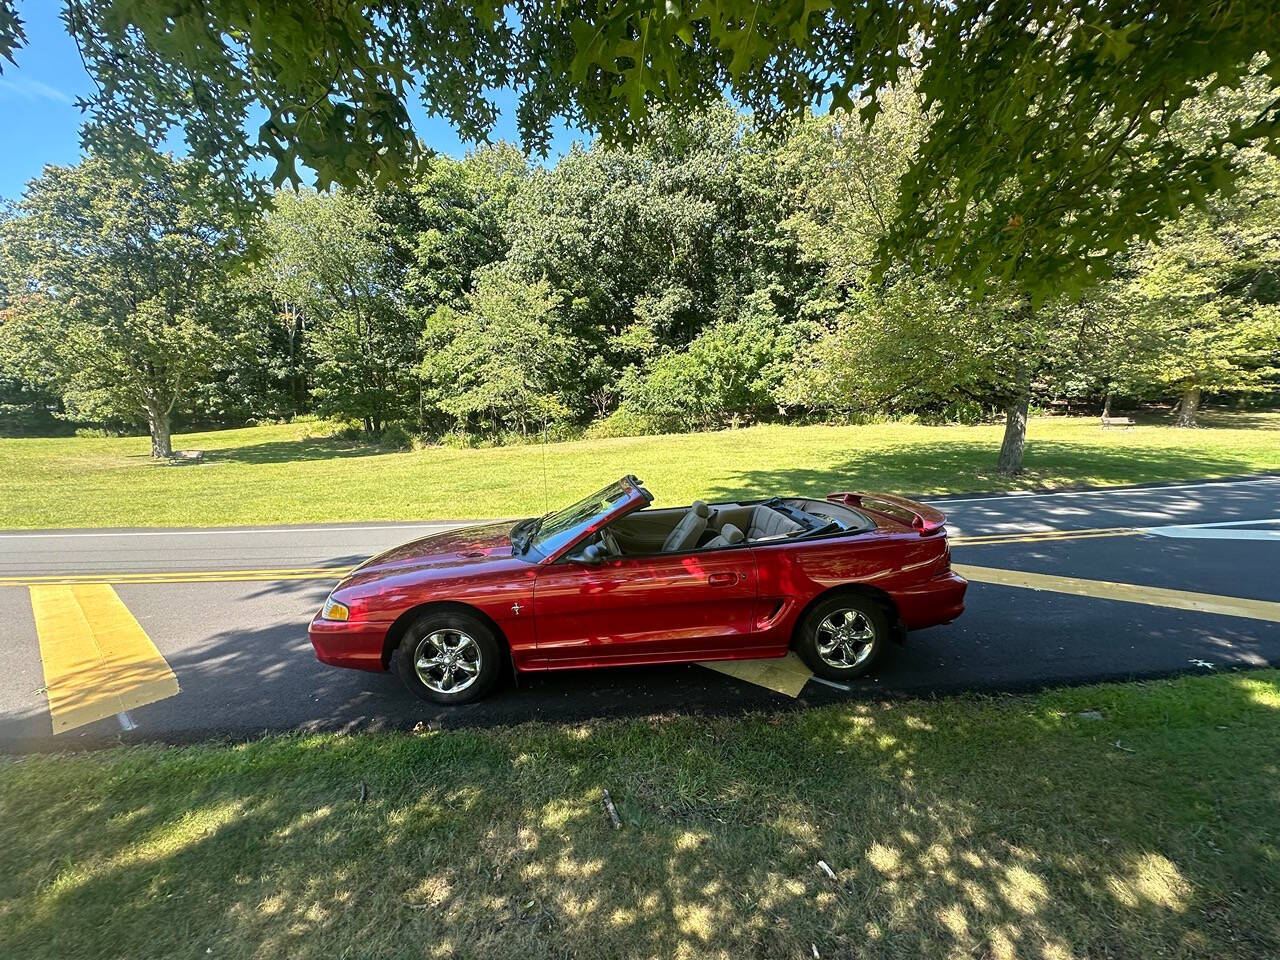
(41, 125)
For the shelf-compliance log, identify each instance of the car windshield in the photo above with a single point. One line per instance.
(556, 529)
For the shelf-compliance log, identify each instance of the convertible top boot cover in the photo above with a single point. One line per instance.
(687, 532)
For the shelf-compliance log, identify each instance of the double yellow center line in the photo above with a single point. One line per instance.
(1246, 607)
(1042, 536)
(337, 573)
(181, 576)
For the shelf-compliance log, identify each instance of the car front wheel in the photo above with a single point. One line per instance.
(449, 657)
(842, 637)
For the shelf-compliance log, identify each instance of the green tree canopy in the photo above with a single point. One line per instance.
(334, 260)
(505, 361)
(1198, 310)
(1045, 154)
(116, 284)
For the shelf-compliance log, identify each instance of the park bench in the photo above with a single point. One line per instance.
(1125, 423)
(187, 456)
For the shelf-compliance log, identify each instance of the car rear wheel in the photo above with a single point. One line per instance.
(842, 636)
(449, 657)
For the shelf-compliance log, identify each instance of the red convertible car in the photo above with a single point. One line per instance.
(610, 582)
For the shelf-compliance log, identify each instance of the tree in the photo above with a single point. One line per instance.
(115, 280)
(1045, 153)
(1201, 304)
(919, 343)
(728, 371)
(462, 210)
(333, 264)
(504, 361)
(912, 339)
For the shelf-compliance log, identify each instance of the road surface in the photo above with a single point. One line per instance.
(1066, 588)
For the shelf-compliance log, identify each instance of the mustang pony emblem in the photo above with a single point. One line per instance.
(515, 608)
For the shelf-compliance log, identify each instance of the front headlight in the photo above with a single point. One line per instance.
(333, 610)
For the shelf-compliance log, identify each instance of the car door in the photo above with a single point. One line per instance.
(645, 609)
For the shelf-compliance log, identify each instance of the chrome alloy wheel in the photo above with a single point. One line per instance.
(845, 638)
(447, 661)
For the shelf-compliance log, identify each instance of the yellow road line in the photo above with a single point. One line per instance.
(180, 576)
(98, 661)
(786, 675)
(1038, 536)
(1127, 592)
(337, 573)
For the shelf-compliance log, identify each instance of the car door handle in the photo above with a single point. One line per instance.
(722, 579)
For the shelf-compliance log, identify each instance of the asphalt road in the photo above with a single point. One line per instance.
(240, 654)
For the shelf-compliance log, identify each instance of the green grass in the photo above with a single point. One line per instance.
(280, 474)
(999, 828)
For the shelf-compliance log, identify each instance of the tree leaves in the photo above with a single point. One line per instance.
(12, 36)
(1049, 112)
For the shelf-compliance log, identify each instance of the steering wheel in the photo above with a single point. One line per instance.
(610, 543)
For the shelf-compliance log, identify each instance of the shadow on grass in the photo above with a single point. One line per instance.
(288, 451)
(959, 465)
(1233, 420)
(1010, 830)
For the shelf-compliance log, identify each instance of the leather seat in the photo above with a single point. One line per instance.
(767, 522)
(687, 532)
(729, 535)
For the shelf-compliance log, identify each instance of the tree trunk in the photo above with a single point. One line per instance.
(1106, 406)
(1015, 436)
(1188, 407)
(158, 425)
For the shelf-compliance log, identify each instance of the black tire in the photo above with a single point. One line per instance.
(435, 634)
(862, 614)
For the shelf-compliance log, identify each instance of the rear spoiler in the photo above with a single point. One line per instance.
(926, 520)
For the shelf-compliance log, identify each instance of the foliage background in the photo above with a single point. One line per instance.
(714, 275)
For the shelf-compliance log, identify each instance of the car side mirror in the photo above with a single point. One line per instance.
(592, 553)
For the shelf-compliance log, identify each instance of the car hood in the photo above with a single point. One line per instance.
(453, 549)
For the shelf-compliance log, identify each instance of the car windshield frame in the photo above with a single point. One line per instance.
(555, 533)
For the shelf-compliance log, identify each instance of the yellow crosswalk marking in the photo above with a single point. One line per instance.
(786, 675)
(1127, 592)
(98, 661)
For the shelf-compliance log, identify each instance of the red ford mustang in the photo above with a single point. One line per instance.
(610, 582)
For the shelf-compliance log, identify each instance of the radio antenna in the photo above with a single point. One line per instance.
(546, 496)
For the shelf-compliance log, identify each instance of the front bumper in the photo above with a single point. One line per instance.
(939, 600)
(344, 644)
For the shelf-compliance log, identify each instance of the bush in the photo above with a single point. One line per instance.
(95, 433)
(396, 436)
(968, 412)
(623, 422)
(460, 440)
(725, 376)
(349, 431)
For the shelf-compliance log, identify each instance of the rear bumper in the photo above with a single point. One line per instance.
(939, 600)
(355, 645)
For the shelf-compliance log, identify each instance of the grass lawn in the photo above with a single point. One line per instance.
(1013, 827)
(280, 474)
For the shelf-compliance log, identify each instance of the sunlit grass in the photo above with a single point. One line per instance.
(282, 474)
(1013, 828)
